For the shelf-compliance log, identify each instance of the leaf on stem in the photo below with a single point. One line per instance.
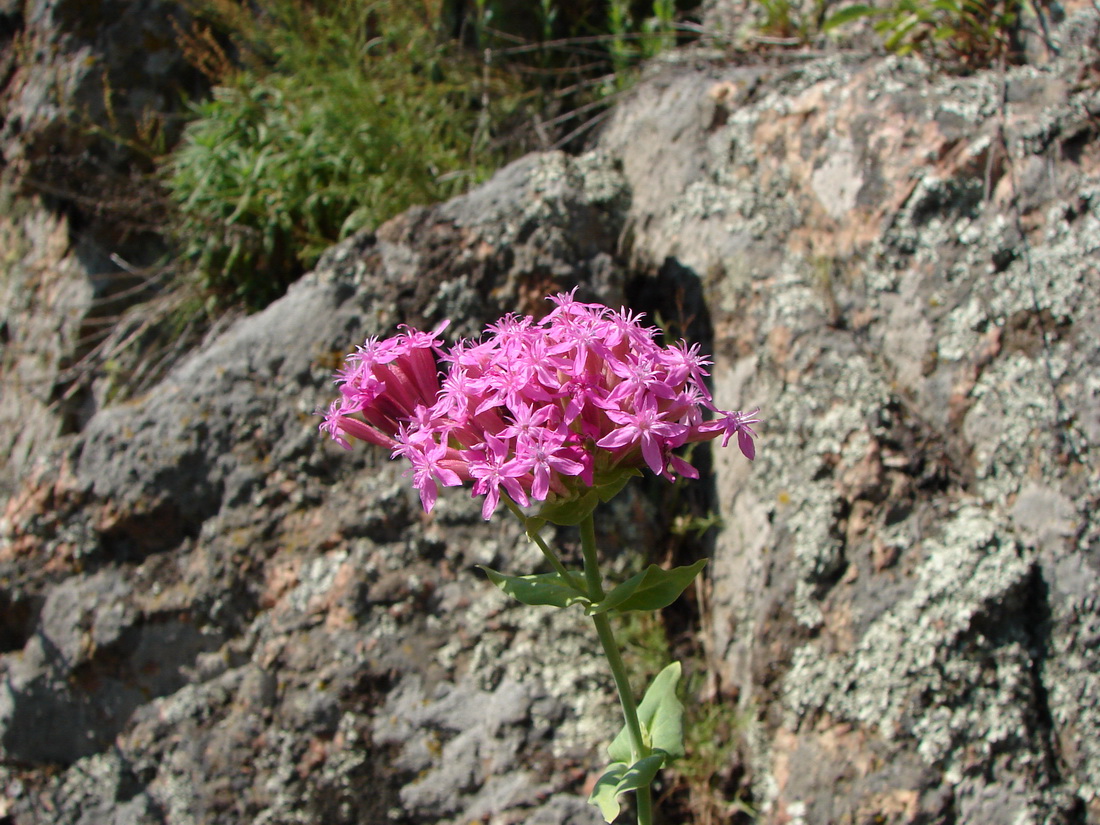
(572, 511)
(620, 778)
(540, 588)
(661, 716)
(611, 484)
(848, 14)
(652, 589)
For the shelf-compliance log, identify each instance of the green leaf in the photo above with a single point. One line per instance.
(538, 589)
(651, 589)
(847, 15)
(610, 484)
(620, 778)
(662, 713)
(661, 716)
(571, 511)
(605, 793)
(575, 509)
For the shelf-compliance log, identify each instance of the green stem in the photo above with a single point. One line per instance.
(550, 555)
(638, 748)
(591, 560)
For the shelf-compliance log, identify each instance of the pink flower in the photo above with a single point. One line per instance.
(738, 423)
(429, 467)
(385, 382)
(684, 363)
(535, 409)
(647, 430)
(550, 456)
(492, 470)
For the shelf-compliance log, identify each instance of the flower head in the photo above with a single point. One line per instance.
(536, 409)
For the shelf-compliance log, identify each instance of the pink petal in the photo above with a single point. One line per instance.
(651, 452)
(745, 442)
(682, 468)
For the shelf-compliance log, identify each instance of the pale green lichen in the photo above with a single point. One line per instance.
(935, 643)
(964, 326)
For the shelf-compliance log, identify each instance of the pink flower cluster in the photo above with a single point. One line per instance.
(537, 409)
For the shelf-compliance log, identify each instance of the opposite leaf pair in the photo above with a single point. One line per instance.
(661, 717)
(652, 589)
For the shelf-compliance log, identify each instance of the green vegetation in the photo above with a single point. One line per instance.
(712, 770)
(335, 115)
(786, 23)
(334, 123)
(968, 34)
(631, 42)
(956, 34)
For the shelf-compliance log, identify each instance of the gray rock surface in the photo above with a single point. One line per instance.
(900, 269)
(79, 82)
(310, 625)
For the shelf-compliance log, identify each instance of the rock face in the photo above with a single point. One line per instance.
(220, 617)
(209, 614)
(78, 81)
(901, 270)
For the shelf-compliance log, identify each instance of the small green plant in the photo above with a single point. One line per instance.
(632, 40)
(695, 526)
(619, 22)
(780, 18)
(548, 19)
(713, 733)
(969, 34)
(484, 17)
(644, 640)
(789, 23)
(659, 31)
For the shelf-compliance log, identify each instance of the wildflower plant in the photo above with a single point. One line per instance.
(550, 418)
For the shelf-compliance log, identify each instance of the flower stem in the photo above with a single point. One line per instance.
(591, 560)
(638, 747)
(550, 555)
